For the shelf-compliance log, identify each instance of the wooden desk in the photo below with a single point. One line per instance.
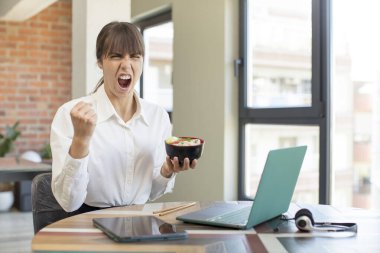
(22, 173)
(78, 234)
(13, 170)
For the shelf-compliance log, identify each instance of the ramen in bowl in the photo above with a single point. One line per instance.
(182, 147)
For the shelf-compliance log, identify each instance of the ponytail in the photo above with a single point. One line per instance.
(101, 81)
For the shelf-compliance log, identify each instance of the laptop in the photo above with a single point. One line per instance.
(272, 199)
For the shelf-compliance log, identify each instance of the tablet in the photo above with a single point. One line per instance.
(138, 228)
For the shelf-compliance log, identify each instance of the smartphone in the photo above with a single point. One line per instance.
(138, 228)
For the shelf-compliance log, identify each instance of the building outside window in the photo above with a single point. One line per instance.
(356, 103)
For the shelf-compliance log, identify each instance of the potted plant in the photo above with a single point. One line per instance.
(45, 153)
(6, 196)
(6, 145)
(6, 140)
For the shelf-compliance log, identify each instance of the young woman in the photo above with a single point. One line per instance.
(108, 148)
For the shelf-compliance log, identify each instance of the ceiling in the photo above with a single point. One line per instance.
(21, 10)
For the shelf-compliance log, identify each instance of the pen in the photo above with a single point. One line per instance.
(173, 209)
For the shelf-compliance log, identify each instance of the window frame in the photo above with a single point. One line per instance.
(319, 112)
(163, 17)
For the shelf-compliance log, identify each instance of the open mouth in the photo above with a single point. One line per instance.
(124, 81)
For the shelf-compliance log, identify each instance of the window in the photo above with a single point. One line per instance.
(156, 81)
(262, 137)
(286, 90)
(283, 90)
(355, 103)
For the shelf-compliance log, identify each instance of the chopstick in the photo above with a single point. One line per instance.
(173, 209)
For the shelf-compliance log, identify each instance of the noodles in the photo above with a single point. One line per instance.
(183, 141)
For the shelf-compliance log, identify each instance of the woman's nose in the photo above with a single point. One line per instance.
(126, 62)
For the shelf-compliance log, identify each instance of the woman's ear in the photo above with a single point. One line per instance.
(100, 64)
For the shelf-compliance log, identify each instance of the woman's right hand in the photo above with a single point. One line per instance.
(84, 118)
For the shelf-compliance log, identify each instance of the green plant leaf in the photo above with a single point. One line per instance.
(46, 152)
(7, 140)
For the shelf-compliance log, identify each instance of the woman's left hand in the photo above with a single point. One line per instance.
(171, 166)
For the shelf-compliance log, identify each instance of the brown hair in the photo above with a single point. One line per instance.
(121, 37)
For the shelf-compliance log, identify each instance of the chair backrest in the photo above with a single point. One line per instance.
(45, 207)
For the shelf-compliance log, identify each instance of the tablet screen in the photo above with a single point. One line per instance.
(138, 228)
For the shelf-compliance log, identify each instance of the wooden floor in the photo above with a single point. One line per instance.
(16, 231)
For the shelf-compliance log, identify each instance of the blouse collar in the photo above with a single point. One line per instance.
(106, 110)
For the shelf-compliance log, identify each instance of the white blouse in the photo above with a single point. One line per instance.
(124, 161)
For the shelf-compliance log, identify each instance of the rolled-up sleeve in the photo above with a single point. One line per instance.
(69, 176)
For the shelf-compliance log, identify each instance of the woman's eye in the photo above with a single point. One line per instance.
(136, 56)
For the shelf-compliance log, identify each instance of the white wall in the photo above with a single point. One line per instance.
(88, 18)
(205, 102)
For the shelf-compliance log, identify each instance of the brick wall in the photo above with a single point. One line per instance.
(35, 73)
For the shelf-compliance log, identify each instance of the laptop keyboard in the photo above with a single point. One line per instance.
(239, 217)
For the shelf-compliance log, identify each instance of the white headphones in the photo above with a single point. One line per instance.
(305, 222)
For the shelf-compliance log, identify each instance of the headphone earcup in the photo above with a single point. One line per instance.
(304, 220)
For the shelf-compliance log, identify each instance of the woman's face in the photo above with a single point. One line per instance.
(121, 73)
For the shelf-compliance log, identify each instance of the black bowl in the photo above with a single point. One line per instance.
(192, 152)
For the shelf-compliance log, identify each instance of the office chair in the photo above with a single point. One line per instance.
(23, 188)
(45, 207)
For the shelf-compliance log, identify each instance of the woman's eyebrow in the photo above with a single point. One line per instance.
(114, 53)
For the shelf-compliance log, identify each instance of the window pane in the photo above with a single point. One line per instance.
(158, 86)
(279, 49)
(356, 104)
(262, 138)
